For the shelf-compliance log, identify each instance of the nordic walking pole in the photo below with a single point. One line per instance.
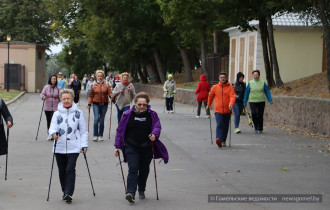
(43, 103)
(110, 118)
(211, 126)
(7, 152)
(90, 178)
(230, 130)
(153, 157)
(51, 172)
(89, 117)
(122, 173)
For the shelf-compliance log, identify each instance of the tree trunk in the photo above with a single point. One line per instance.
(143, 78)
(186, 63)
(278, 79)
(203, 55)
(324, 19)
(215, 42)
(152, 74)
(263, 34)
(159, 65)
(145, 71)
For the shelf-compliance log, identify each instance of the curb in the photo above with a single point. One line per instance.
(16, 98)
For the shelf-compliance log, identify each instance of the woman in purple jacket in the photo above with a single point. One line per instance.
(137, 128)
(50, 96)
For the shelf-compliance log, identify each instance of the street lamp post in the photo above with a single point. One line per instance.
(70, 52)
(8, 78)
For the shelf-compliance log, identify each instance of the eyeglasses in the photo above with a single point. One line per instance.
(144, 105)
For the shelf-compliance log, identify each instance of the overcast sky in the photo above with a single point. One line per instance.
(55, 49)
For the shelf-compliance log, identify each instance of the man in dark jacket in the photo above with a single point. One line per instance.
(9, 121)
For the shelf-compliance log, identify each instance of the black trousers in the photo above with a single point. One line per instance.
(200, 106)
(66, 164)
(138, 161)
(169, 103)
(257, 110)
(49, 115)
(76, 97)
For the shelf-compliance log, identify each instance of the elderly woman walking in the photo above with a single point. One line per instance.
(68, 128)
(138, 128)
(169, 93)
(124, 93)
(99, 97)
(50, 96)
(255, 92)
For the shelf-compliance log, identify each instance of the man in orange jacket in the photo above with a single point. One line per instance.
(224, 95)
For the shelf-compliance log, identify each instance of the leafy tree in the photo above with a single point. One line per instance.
(27, 20)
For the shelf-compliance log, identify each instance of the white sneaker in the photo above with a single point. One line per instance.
(197, 117)
(95, 138)
(101, 138)
(172, 111)
(207, 116)
(49, 138)
(168, 111)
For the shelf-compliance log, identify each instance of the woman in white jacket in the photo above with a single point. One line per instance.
(68, 128)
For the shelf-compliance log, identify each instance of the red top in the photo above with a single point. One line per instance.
(203, 89)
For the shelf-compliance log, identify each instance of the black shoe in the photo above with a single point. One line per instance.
(67, 198)
(130, 198)
(142, 196)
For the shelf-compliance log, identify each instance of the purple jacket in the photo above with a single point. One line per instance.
(159, 147)
(52, 97)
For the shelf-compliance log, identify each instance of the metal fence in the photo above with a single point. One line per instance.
(16, 76)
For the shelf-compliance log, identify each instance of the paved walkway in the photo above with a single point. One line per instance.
(195, 169)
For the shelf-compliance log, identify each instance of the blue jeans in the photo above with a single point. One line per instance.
(99, 114)
(121, 112)
(222, 126)
(238, 108)
(169, 103)
(66, 164)
(138, 161)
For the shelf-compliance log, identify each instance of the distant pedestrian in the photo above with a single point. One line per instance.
(255, 92)
(89, 85)
(224, 95)
(239, 87)
(169, 93)
(99, 97)
(76, 86)
(116, 81)
(61, 82)
(124, 93)
(202, 91)
(5, 114)
(69, 129)
(50, 95)
(137, 128)
(84, 81)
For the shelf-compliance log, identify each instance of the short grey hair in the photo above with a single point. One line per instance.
(70, 91)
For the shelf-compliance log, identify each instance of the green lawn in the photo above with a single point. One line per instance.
(7, 96)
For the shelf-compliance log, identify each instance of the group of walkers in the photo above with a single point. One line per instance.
(233, 97)
(139, 127)
(137, 135)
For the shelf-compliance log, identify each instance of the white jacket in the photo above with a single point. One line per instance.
(71, 125)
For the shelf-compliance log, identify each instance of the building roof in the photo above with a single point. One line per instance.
(283, 19)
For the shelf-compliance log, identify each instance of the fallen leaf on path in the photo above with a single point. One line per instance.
(283, 169)
(13, 196)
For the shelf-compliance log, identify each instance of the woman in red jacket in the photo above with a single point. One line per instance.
(202, 91)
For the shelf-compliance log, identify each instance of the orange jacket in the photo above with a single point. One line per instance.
(99, 93)
(224, 97)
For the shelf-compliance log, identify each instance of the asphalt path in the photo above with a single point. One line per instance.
(275, 162)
